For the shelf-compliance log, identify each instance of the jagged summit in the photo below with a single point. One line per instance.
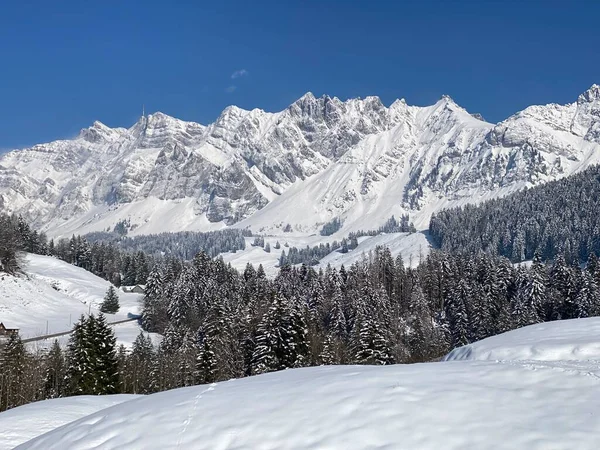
(99, 132)
(592, 94)
(318, 159)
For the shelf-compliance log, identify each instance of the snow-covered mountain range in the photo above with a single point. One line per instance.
(319, 159)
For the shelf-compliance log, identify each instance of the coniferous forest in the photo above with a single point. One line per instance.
(560, 217)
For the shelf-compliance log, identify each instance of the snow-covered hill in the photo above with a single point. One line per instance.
(504, 403)
(549, 341)
(53, 294)
(22, 424)
(318, 159)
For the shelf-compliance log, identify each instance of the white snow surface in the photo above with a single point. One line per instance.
(19, 425)
(493, 404)
(564, 340)
(52, 295)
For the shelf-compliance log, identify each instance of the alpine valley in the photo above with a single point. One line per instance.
(321, 159)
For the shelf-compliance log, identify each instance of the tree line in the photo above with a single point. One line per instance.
(181, 245)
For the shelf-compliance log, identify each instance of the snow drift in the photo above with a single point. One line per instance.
(21, 424)
(565, 340)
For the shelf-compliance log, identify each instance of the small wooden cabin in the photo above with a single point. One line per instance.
(137, 289)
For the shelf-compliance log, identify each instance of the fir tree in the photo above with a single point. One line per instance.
(206, 364)
(12, 376)
(79, 376)
(110, 305)
(55, 372)
(103, 347)
(142, 356)
(371, 344)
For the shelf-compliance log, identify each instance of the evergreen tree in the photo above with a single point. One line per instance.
(103, 348)
(110, 305)
(281, 340)
(12, 376)
(142, 356)
(206, 365)
(456, 314)
(92, 365)
(55, 372)
(371, 344)
(328, 354)
(79, 377)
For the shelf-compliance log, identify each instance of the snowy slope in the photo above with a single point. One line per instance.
(22, 424)
(550, 341)
(52, 295)
(500, 404)
(318, 159)
(410, 246)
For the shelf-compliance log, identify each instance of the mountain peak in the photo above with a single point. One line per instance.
(446, 99)
(593, 93)
(308, 96)
(160, 117)
(99, 125)
(98, 132)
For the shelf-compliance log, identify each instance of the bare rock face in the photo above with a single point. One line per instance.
(359, 150)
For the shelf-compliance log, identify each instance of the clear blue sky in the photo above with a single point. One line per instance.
(65, 64)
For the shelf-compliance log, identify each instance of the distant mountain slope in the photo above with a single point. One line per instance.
(318, 159)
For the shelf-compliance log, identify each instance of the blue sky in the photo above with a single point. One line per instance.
(65, 64)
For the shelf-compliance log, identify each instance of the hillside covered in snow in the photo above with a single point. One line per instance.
(51, 295)
(533, 388)
(319, 159)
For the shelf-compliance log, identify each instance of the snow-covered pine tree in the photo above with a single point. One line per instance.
(420, 325)
(206, 362)
(456, 314)
(535, 290)
(142, 357)
(79, 369)
(563, 281)
(102, 346)
(110, 305)
(371, 346)
(328, 355)
(12, 375)
(55, 371)
(587, 297)
(187, 355)
(154, 311)
(281, 339)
